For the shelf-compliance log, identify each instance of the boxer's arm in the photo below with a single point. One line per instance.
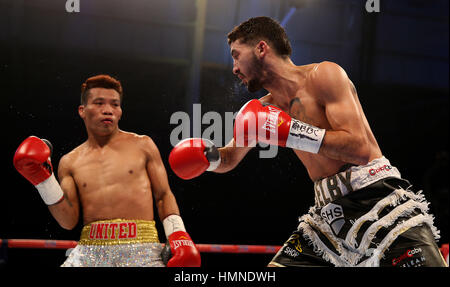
(66, 212)
(164, 198)
(183, 252)
(231, 156)
(346, 140)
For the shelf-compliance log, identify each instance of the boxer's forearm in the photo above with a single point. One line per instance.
(166, 204)
(346, 147)
(225, 162)
(230, 156)
(65, 213)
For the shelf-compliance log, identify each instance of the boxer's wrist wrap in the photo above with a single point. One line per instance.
(213, 165)
(303, 136)
(50, 190)
(212, 154)
(173, 223)
(214, 161)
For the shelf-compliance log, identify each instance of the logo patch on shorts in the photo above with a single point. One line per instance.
(293, 247)
(112, 231)
(374, 171)
(333, 214)
(411, 258)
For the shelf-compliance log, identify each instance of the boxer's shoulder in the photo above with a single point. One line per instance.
(66, 162)
(327, 81)
(267, 99)
(130, 139)
(322, 73)
(142, 142)
(75, 153)
(324, 66)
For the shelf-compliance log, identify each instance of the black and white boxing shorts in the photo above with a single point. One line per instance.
(365, 216)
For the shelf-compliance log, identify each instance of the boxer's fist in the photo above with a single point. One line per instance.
(179, 251)
(32, 160)
(257, 123)
(269, 124)
(183, 250)
(191, 157)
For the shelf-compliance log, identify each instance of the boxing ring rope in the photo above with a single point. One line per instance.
(204, 248)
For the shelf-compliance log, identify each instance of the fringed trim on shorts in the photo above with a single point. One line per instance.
(349, 253)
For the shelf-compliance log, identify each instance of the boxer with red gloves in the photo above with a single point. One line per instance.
(314, 110)
(115, 178)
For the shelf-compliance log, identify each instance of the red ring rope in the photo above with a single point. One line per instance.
(205, 248)
(209, 248)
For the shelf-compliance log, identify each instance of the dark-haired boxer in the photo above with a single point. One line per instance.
(365, 214)
(112, 177)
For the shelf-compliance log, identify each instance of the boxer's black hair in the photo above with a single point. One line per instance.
(262, 28)
(100, 81)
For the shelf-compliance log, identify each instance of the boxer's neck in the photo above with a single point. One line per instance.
(283, 80)
(96, 140)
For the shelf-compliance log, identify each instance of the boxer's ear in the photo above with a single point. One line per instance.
(81, 111)
(261, 49)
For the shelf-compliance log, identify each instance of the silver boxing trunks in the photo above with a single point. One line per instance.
(117, 243)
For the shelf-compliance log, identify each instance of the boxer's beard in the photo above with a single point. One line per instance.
(254, 84)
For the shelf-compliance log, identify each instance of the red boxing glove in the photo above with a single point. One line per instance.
(192, 157)
(269, 124)
(32, 160)
(179, 250)
(184, 252)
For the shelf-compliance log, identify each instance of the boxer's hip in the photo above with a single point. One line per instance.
(360, 212)
(352, 179)
(117, 243)
(119, 231)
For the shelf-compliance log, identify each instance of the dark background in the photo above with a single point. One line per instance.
(171, 54)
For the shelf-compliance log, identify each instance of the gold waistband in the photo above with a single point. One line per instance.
(119, 231)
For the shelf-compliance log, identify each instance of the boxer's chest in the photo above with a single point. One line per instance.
(306, 108)
(108, 167)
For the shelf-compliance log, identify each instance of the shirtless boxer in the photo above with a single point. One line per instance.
(112, 178)
(365, 214)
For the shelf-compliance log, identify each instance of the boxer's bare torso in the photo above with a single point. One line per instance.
(112, 180)
(310, 106)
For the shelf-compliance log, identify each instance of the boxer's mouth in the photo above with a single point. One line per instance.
(242, 78)
(107, 121)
